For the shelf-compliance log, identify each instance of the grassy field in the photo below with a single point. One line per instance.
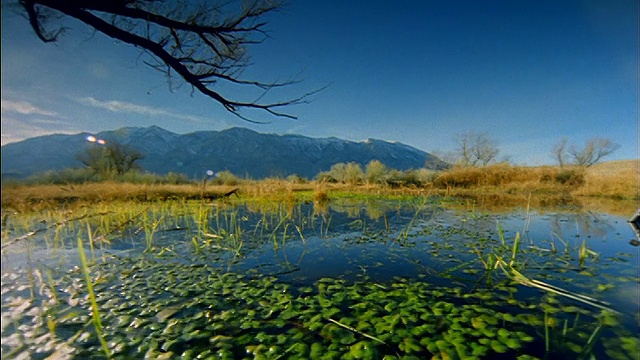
(496, 184)
(617, 179)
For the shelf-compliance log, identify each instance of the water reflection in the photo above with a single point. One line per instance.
(427, 241)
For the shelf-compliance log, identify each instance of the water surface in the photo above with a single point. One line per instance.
(351, 279)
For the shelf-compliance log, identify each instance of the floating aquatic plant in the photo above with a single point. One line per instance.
(205, 290)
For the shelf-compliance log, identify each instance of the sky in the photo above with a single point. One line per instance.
(528, 73)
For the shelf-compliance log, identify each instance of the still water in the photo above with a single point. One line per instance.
(350, 279)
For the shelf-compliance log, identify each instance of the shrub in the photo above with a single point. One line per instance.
(350, 173)
(354, 174)
(177, 179)
(226, 177)
(320, 195)
(296, 179)
(65, 176)
(459, 176)
(493, 175)
(325, 177)
(572, 177)
(376, 172)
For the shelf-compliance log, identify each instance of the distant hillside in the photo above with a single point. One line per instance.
(242, 151)
(614, 168)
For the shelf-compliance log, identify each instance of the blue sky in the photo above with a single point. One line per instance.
(417, 72)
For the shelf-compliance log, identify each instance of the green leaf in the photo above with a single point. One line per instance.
(498, 347)
(409, 345)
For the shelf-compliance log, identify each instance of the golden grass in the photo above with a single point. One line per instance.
(497, 184)
(21, 197)
(614, 179)
(510, 179)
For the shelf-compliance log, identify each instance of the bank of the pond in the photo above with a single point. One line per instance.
(26, 198)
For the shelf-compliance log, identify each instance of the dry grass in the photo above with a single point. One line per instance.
(21, 197)
(614, 179)
(515, 185)
(511, 179)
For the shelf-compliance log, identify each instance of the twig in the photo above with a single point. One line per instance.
(356, 331)
(517, 276)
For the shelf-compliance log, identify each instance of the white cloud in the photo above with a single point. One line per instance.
(14, 130)
(23, 107)
(121, 106)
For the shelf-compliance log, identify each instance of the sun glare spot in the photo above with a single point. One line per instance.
(91, 138)
(101, 142)
(209, 172)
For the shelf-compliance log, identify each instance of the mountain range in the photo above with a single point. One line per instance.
(244, 152)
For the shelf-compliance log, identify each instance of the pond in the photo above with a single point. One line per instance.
(349, 279)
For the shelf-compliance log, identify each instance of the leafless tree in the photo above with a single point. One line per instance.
(202, 42)
(558, 152)
(475, 148)
(594, 150)
(110, 159)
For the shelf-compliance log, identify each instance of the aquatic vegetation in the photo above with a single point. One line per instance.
(153, 309)
(234, 279)
(95, 310)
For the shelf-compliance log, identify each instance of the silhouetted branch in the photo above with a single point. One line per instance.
(203, 42)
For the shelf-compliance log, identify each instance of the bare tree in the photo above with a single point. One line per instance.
(558, 152)
(203, 42)
(475, 148)
(594, 150)
(96, 159)
(110, 159)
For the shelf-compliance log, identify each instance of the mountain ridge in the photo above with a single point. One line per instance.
(242, 151)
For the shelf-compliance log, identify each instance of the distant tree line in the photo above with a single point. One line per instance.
(480, 149)
(117, 162)
(375, 173)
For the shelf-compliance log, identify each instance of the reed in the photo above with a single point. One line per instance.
(582, 253)
(514, 250)
(546, 332)
(95, 310)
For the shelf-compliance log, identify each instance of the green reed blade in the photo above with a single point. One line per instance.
(95, 312)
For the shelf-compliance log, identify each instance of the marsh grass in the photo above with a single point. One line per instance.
(404, 233)
(225, 226)
(613, 179)
(510, 179)
(493, 187)
(95, 309)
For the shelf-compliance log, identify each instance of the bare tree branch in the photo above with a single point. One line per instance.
(594, 150)
(112, 159)
(558, 152)
(203, 42)
(475, 149)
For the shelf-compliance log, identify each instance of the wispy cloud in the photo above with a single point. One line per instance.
(23, 107)
(122, 106)
(14, 130)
